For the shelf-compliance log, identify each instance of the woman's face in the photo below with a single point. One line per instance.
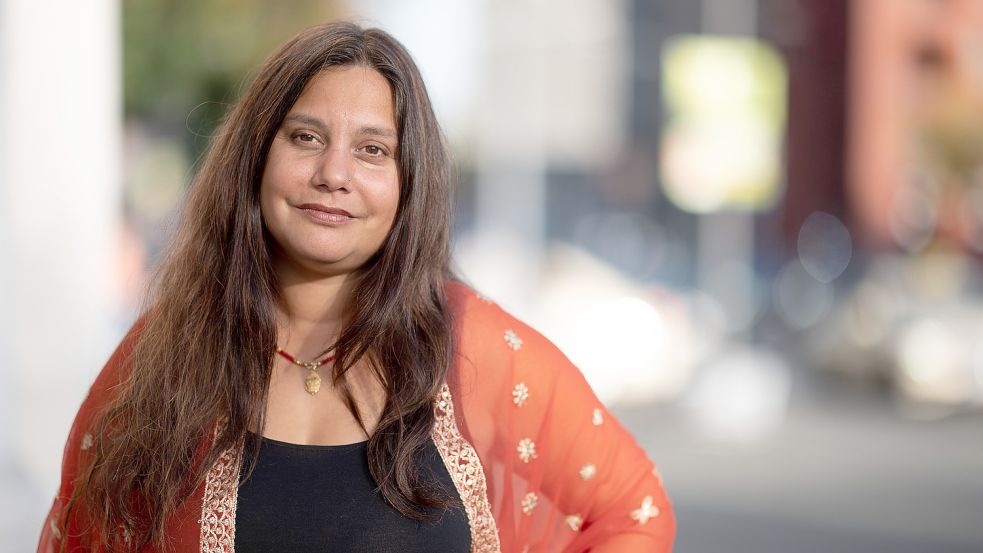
(330, 189)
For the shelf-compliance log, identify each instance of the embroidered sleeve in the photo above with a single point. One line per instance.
(593, 470)
(562, 474)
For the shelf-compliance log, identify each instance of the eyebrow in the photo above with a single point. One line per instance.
(384, 132)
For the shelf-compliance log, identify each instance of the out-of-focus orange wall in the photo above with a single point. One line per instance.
(907, 58)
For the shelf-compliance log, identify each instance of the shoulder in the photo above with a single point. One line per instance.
(118, 367)
(112, 379)
(488, 332)
(102, 393)
(471, 309)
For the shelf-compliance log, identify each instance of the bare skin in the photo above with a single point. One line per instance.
(292, 414)
(336, 149)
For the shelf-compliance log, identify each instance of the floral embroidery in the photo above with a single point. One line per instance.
(588, 471)
(53, 524)
(527, 450)
(597, 418)
(520, 394)
(574, 522)
(529, 502)
(513, 340)
(218, 505)
(465, 468)
(86, 441)
(646, 511)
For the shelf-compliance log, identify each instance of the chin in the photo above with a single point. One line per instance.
(329, 266)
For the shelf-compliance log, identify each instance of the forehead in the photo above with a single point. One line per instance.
(348, 92)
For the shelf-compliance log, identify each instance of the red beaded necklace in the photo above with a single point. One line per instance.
(313, 381)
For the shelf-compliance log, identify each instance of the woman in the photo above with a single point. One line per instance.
(309, 374)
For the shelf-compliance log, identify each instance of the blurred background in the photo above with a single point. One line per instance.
(755, 225)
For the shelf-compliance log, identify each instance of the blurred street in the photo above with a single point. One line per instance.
(756, 226)
(843, 473)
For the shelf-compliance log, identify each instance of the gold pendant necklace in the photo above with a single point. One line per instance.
(313, 381)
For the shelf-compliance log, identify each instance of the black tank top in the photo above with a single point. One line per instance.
(310, 498)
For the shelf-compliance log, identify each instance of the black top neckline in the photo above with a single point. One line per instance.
(314, 498)
(312, 447)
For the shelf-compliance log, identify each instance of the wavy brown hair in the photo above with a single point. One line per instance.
(206, 344)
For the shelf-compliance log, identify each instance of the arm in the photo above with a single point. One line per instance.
(80, 445)
(594, 469)
(563, 474)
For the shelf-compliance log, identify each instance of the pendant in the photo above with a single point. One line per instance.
(312, 383)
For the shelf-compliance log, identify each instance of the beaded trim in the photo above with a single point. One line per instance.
(218, 506)
(465, 468)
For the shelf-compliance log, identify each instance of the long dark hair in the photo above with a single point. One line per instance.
(205, 351)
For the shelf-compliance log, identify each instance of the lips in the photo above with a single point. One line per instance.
(325, 214)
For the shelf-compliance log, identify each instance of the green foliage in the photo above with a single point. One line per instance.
(186, 61)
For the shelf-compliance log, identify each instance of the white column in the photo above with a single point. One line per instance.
(60, 197)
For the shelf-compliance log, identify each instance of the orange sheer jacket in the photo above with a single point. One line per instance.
(538, 461)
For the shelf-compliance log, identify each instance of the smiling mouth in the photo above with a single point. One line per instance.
(326, 215)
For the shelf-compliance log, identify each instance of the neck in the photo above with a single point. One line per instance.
(311, 311)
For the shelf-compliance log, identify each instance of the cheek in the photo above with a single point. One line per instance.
(392, 195)
(392, 202)
(272, 204)
(274, 184)
(281, 168)
(265, 200)
(381, 196)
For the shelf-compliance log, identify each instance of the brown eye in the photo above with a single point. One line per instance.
(305, 139)
(373, 150)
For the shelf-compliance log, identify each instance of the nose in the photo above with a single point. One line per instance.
(334, 171)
